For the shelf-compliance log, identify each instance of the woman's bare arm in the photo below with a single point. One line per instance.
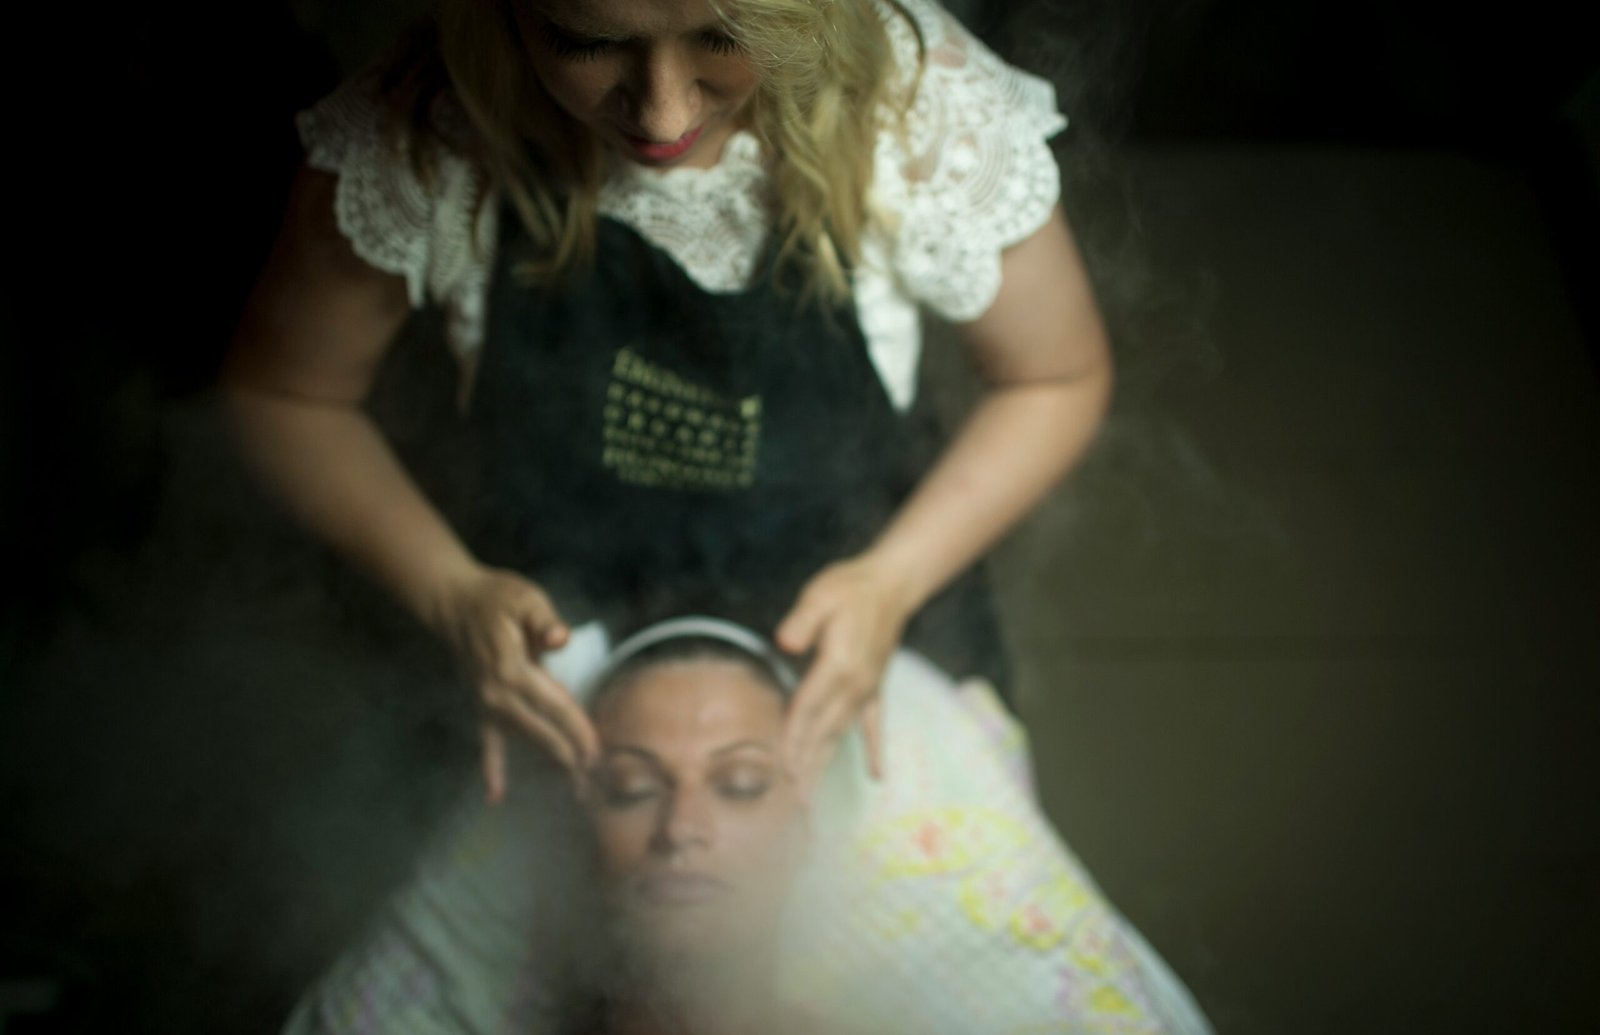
(1042, 350)
(314, 332)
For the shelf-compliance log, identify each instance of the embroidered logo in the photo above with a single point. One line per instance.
(667, 433)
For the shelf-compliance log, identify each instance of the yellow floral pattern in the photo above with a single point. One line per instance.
(956, 890)
(941, 840)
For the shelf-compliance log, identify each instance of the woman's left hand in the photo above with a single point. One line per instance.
(851, 614)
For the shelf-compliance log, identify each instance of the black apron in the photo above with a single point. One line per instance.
(651, 448)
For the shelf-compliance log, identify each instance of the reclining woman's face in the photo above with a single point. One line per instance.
(697, 824)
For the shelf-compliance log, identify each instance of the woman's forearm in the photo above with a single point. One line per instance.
(337, 474)
(1043, 351)
(1017, 444)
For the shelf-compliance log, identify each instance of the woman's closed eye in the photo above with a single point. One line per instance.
(621, 790)
(744, 782)
(574, 46)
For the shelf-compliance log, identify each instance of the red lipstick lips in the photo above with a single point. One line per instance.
(648, 151)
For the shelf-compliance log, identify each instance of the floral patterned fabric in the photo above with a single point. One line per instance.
(941, 900)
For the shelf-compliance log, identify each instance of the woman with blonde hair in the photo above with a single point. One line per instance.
(680, 247)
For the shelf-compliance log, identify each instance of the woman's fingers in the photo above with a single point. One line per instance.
(558, 705)
(516, 669)
(502, 624)
(832, 720)
(823, 708)
(494, 763)
(804, 711)
(802, 626)
(495, 749)
(513, 709)
(834, 694)
(872, 734)
(849, 617)
(818, 686)
(556, 636)
(811, 773)
(541, 622)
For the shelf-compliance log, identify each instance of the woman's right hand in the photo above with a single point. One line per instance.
(313, 336)
(500, 624)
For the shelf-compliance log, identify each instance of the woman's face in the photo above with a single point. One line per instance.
(697, 824)
(658, 80)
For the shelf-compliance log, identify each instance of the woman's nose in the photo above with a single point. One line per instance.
(664, 96)
(687, 822)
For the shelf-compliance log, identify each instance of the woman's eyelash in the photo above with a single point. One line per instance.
(621, 797)
(567, 45)
(581, 48)
(720, 43)
(745, 791)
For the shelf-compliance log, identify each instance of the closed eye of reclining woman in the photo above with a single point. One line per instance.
(680, 247)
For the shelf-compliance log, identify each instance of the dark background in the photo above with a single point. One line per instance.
(209, 774)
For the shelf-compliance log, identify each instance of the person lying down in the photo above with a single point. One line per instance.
(698, 835)
(734, 900)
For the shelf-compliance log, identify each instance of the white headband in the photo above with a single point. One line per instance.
(692, 626)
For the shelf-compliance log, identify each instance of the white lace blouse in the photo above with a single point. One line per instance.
(971, 175)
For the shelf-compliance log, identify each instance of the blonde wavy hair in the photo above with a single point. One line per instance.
(826, 77)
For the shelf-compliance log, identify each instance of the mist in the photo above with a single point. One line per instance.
(1306, 648)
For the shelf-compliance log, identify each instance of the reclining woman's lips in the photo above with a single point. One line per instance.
(680, 889)
(649, 151)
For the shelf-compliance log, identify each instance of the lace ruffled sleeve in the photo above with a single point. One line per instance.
(434, 233)
(971, 174)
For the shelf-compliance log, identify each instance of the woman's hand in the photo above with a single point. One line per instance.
(500, 624)
(851, 614)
